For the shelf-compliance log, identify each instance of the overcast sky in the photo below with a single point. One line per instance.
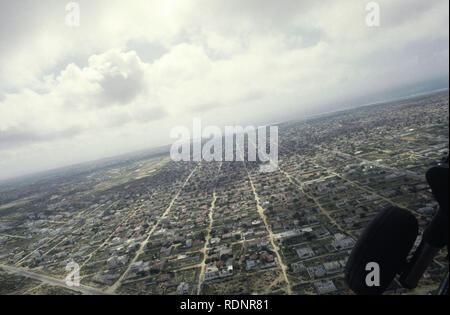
(135, 69)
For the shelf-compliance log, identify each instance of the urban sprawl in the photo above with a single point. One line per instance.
(144, 224)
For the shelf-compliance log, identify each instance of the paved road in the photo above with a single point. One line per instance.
(52, 281)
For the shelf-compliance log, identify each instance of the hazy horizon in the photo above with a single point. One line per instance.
(147, 150)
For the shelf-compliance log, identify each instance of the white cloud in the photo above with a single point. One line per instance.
(131, 72)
